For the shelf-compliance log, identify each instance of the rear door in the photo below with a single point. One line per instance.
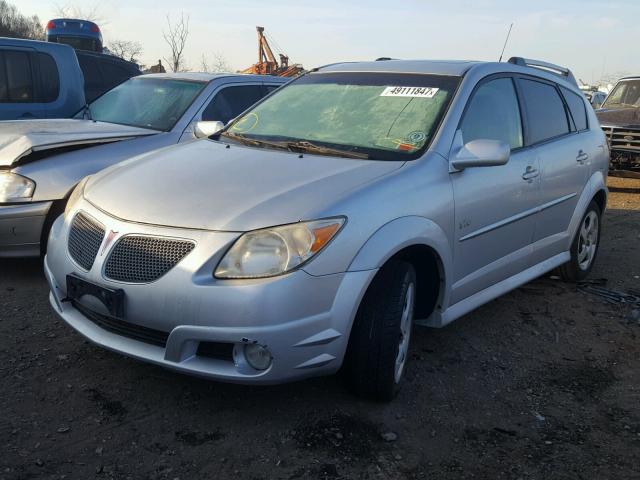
(559, 142)
(494, 207)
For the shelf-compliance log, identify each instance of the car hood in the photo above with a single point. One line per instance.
(207, 185)
(619, 117)
(19, 139)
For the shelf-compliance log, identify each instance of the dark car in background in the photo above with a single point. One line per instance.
(52, 80)
(620, 120)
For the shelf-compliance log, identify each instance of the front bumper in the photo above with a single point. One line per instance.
(303, 320)
(21, 228)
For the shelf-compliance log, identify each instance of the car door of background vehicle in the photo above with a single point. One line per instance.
(494, 206)
(563, 154)
(18, 80)
(226, 102)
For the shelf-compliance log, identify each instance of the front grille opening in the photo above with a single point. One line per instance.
(142, 259)
(85, 238)
(217, 350)
(126, 329)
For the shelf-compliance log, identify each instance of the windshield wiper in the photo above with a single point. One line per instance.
(304, 146)
(86, 114)
(253, 141)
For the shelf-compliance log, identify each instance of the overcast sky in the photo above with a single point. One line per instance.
(591, 37)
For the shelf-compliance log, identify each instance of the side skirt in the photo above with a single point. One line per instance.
(440, 319)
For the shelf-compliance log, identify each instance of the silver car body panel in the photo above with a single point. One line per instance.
(489, 233)
(20, 138)
(100, 145)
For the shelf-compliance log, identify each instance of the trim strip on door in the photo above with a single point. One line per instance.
(517, 217)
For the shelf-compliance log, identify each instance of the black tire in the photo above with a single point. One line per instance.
(374, 343)
(573, 271)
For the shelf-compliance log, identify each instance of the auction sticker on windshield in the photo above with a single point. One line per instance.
(423, 92)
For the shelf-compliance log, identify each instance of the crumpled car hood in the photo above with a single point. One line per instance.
(18, 139)
(205, 185)
(619, 117)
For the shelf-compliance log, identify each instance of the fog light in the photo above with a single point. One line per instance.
(257, 356)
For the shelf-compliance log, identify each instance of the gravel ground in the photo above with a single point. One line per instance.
(542, 383)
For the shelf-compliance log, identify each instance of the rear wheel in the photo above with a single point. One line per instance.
(379, 342)
(584, 248)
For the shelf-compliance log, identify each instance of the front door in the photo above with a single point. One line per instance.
(495, 207)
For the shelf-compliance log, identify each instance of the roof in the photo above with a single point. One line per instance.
(436, 67)
(23, 42)
(208, 77)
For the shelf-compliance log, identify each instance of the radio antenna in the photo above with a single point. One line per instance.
(505, 42)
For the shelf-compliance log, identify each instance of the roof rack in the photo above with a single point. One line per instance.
(546, 66)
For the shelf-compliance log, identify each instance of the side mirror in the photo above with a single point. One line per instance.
(481, 153)
(206, 129)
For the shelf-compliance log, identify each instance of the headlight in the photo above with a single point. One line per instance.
(14, 187)
(75, 196)
(277, 250)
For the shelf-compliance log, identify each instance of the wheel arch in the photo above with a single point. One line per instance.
(425, 245)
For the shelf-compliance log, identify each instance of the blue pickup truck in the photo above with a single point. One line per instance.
(52, 80)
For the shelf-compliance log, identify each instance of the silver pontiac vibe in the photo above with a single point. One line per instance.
(323, 223)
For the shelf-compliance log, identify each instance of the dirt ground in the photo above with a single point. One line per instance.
(543, 383)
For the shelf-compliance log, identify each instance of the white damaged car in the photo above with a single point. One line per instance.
(41, 161)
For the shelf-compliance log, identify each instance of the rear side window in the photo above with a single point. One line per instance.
(231, 102)
(545, 112)
(49, 78)
(577, 109)
(493, 114)
(92, 77)
(19, 77)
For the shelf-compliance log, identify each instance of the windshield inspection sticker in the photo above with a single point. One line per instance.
(424, 92)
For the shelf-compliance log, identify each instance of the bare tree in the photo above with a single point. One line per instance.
(176, 37)
(218, 63)
(84, 12)
(14, 24)
(126, 49)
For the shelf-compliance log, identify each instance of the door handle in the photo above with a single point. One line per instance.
(582, 157)
(530, 173)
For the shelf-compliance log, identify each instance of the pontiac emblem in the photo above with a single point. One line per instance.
(111, 235)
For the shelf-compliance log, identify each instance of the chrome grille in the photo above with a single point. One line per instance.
(85, 238)
(622, 138)
(141, 259)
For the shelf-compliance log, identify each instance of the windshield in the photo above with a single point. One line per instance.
(156, 103)
(382, 116)
(625, 93)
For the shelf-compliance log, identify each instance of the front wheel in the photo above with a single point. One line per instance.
(379, 341)
(584, 247)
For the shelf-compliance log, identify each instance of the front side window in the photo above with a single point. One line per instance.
(493, 114)
(625, 94)
(382, 116)
(545, 112)
(19, 78)
(155, 103)
(231, 102)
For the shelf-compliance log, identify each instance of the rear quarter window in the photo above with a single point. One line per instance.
(577, 108)
(49, 78)
(545, 113)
